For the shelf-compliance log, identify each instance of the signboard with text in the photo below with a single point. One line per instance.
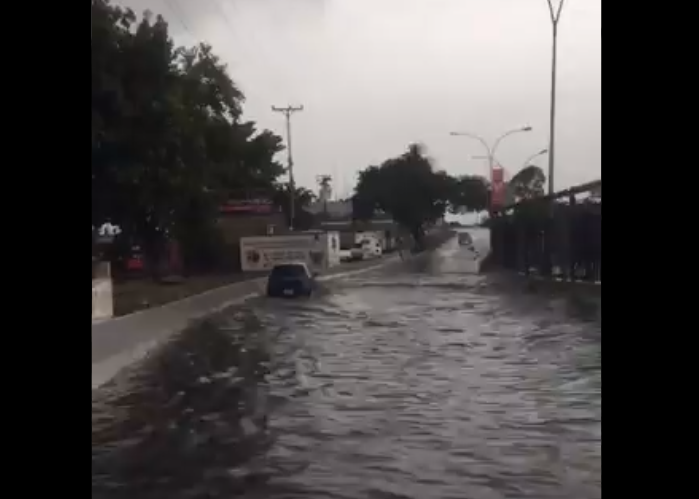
(263, 253)
(259, 206)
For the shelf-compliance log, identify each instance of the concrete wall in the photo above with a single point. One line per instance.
(102, 299)
(102, 293)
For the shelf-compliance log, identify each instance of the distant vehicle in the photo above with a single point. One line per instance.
(465, 239)
(357, 252)
(290, 280)
(366, 249)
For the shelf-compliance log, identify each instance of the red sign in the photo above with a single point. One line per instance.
(498, 189)
(498, 196)
(248, 207)
(498, 175)
(135, 263)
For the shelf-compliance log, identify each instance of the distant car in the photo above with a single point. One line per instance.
(290, 280)
(366, 249)
(465, 239)
(357, 252)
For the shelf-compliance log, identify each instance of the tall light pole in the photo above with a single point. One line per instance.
(491, 150)
(555, 18)
(287, 112)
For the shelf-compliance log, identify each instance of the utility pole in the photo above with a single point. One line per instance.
(287, 112)
(555, 13)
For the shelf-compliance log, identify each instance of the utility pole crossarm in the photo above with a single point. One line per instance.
(555, 12)
(287, 109)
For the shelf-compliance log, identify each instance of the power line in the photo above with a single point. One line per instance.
(177, 12)
(261, 60)
(287, 112)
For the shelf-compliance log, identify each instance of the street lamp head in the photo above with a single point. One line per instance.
(527, 129)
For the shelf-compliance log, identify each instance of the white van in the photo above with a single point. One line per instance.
(366, 249)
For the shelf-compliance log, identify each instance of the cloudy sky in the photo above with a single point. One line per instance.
(375, 75)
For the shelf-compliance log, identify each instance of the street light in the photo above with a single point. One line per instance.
(491, 150)
(555, 17)
(530, 158)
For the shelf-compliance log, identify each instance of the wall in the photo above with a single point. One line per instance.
(102, 299)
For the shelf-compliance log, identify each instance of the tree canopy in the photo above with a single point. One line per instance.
(409, 189)
(168, 141)
(527, 183)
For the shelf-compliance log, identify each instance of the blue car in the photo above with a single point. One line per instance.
(290, 280)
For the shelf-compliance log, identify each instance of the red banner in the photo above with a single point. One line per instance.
(498, 196)
(498, 188)
(498, 175)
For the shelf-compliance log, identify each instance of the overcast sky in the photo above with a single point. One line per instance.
(375, 75)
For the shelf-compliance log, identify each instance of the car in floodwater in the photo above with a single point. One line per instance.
(288, 280)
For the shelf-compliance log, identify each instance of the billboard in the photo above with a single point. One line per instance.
(263, 253)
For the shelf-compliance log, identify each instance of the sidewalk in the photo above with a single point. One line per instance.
(123, 340)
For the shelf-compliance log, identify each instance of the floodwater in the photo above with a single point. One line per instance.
(420, 381)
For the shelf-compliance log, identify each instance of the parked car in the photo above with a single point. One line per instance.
(290, 280)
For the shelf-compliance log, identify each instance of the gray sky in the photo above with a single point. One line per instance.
(375, 75)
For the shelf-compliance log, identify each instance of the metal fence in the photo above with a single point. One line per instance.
(557, 236)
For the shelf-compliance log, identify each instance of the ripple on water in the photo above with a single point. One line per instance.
(415, 385)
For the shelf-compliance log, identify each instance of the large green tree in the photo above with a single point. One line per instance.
(168, 144)
(406, 187)
(527, 183)
(471, 193)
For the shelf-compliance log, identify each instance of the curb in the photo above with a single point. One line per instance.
(106, 369)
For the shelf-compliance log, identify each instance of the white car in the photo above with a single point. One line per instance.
(366, 249)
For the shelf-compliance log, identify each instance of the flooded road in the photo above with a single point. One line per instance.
(420, 381)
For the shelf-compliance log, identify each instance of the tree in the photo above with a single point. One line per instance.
(471, 194)
(406, 187)
(168, 145)
(303, 220)
(527, 183)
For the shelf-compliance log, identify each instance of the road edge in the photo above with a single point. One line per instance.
(107, 369)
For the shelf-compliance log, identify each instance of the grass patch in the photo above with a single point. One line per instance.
(139, 294)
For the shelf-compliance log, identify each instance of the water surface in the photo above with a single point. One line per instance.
(423, 381)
